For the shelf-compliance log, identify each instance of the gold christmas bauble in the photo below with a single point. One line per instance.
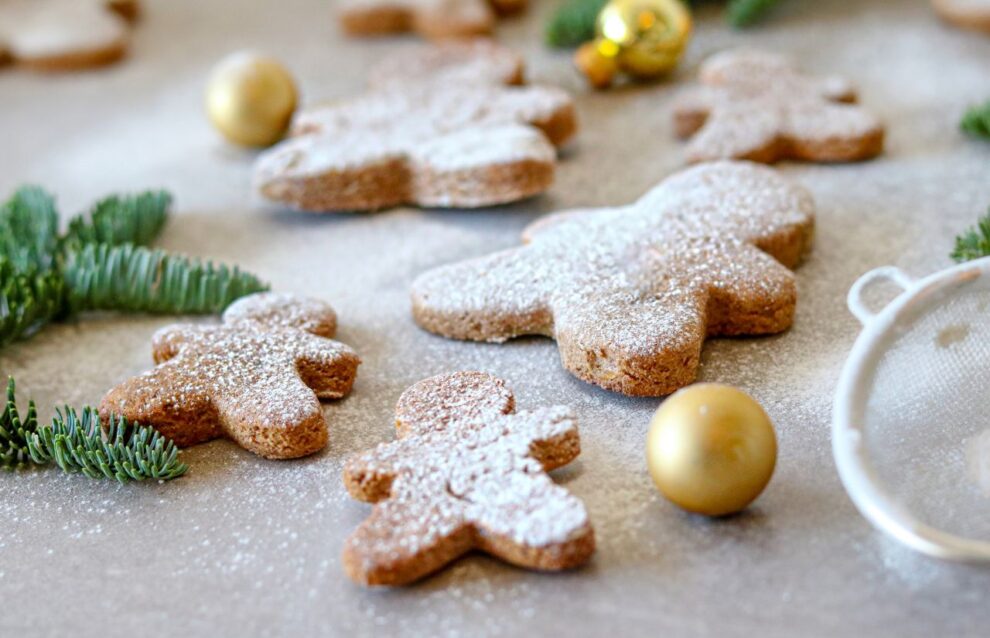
(250, 99)
(711, 449)
(644, 38)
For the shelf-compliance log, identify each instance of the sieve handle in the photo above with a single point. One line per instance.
(886, 273)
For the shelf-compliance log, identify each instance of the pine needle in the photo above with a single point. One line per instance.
(573, 23)
(976, 121)
(15, 432)
(974, 243)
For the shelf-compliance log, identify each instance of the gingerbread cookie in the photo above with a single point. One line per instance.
(631, 293)
(442, 126)
(430, 18)
(969, 14)
(467, 472)
(256, 379)
(59, 35)
(757, 106)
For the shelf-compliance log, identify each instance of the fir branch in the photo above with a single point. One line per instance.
(976, 121)
(136, 279)
(115, 220)
(29, 229)
(573, 23)
(743, 13)
(27, 301)
(79, 443)
(974, 243)
(15, 432)
(126, 452)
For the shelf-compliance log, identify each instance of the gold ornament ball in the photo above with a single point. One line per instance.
(711, 449)
(250, 99)
(650, 35)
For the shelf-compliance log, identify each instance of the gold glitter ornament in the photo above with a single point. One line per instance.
(643, 38)
(250, 99)
(711, 449)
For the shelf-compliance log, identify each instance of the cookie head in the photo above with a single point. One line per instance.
(466, 472)
(256, 378)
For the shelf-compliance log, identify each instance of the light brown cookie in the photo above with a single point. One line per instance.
(256, 379)
(430, 18)
(61, 35)
(467, 472)
(969, 14)
(441, 128)
(757, 106)
(631, 293)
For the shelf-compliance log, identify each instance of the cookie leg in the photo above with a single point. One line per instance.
(485, 166)
(493, 298)
(641, 344)
(546, 527)
(737, 133)
(834, 133)
(278, 418)
(407, 537)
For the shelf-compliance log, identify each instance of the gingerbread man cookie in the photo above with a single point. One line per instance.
(630, 294)
(257, 378)
(430, 18)
(467, 472)
(757, 106)
(59, 35)
(442, 126)
(969, 14)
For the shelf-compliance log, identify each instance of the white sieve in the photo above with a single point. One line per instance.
(910, 431)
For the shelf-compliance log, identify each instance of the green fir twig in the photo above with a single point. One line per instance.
(974, 243)
(976, 121)
(743, 13)
(78, 442)
(100, 264)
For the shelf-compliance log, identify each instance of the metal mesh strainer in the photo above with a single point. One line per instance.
(910, 434)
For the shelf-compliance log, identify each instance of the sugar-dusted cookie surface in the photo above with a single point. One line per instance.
(443, 125)
(757, 106)
(969, 14)
(430, 18)
(256, 378)
(59, 35)
(631, 293)
(466, 472)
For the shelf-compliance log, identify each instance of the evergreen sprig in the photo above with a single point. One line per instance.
(100, 263)
(574, 22)
(976, 121)
(78, 442)
(974, 243)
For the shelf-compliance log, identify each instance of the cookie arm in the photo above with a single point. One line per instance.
(328, 367)
(753, 294)
(550, 435)
(493, 298)
(833, 132)
(368, 476)
(691, 108)
(738, 132)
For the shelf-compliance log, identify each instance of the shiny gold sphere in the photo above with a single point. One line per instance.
(650, 35)
(711, 449)
(250, 99)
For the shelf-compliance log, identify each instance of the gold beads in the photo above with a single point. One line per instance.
(250, 99)
(711, 449)
(644, 38)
